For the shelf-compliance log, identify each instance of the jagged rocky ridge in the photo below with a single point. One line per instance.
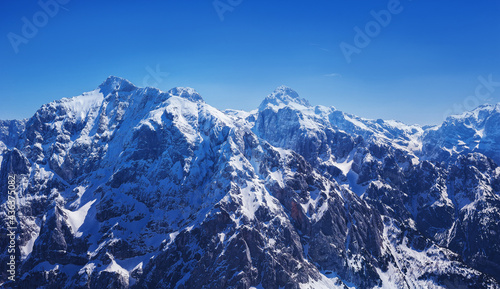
(127, 187)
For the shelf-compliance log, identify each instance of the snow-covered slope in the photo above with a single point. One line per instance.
(474, 131)
(127, 187)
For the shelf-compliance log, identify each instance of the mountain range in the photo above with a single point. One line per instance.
(128, 187)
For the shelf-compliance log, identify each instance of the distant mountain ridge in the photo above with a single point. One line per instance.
(128, 187)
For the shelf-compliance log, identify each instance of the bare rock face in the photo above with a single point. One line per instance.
(127, 187)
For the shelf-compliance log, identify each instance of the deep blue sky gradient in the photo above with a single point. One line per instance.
(424, 63)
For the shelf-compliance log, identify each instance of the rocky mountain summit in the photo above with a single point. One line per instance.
(128, 187)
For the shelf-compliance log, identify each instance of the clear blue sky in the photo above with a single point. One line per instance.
(425, 61)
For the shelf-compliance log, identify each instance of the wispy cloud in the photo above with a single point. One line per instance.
(319, 46)
(333, 75)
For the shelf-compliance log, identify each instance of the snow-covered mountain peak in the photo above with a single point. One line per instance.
(186, 92)
(285, 90)
(114, 83)
(283, 96)
(478, 114)
(472, 131)
(130, 187)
